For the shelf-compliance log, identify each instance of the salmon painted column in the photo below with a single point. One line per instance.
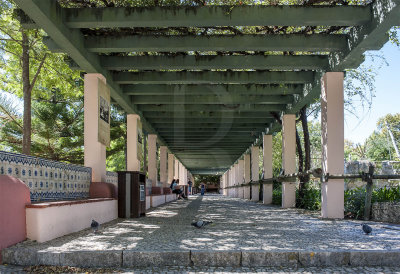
(289, 159)
(94, 151)
(152, 156)
(332, 129)
(226, 193)
(255, 176)
(163, 166)
(176, 173)
(231, 182)
(267, 161)
(236, 193)
(241, 178)
(133, 163)
(247, 176)
(171, 160)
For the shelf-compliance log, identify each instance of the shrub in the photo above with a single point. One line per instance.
(277, 195)
(354, 199)
(311, 199)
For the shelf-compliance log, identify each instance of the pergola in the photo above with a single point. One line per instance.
(210, 98)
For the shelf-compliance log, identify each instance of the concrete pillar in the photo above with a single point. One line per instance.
(241, 179)
(163, 166)
(181, 180)
(171, 161)
(289, 159)
(176, 173)
(185, 176)
(94, 151)
(132, 159)
(236, 190)
(231, 178)
(332, 200)
(247, 176)
(255, 173)
(152, 166)
(267, 161)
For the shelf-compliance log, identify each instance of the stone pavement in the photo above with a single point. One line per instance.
(176, 269)
(243, 234)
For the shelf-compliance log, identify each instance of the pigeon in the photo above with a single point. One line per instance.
(200, 223)
(366, 228)
(95, 226)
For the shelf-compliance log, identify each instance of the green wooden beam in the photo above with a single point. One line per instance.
(184, 128)
(209, 171)
(219, 108)
(49, 15)
(371, 36)
(211, 99)
(275, 42)
(256, 15)
(236, 89)
(216, 115)
(210, 120)
(274, 62)
(214, 77)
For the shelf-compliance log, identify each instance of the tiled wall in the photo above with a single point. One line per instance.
(112, 177)
(47, 180)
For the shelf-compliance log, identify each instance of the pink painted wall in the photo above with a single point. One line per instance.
(102, 190)
(14, 196)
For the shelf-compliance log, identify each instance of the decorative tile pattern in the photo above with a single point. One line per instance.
(47, 180)
(112, 177)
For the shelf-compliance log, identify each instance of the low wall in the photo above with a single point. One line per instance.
(386, 212)
(103, 190)
(14, 196)
(47, 180)
(46, 221)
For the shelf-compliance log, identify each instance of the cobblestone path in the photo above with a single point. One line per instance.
(238, 225)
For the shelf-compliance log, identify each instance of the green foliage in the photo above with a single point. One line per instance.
(117, 150)
(311, 199)
(277, 194)
(354, 199)
(206, 179)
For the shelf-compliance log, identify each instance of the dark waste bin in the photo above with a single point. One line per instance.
(131, 194)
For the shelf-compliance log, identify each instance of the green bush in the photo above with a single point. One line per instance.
(354, 199)
(311, 199)
(277, 195)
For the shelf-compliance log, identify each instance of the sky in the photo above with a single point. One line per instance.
(387, 100)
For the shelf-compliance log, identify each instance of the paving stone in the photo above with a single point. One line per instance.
(375, 258)
(98, 258)
(216, 258)
(133, 258)
(324, 258)
(19, 256)
(238, 225)
(270, 258)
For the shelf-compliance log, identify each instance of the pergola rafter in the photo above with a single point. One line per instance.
(210, 95)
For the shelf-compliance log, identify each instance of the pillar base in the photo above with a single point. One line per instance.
(288, 195)
(332, 204)
(267, 194)
(255, 193)
(247, 192)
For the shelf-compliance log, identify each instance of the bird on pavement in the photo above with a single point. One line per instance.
(366, 228)
(200, 223)
(95, 226)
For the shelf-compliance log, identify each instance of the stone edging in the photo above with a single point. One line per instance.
(235, 258)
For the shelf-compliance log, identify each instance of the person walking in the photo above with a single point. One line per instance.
(203, 189)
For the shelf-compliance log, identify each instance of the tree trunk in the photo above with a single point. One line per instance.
(27, 128)
(307, 145)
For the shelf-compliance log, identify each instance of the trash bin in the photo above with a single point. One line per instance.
(131, 194)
